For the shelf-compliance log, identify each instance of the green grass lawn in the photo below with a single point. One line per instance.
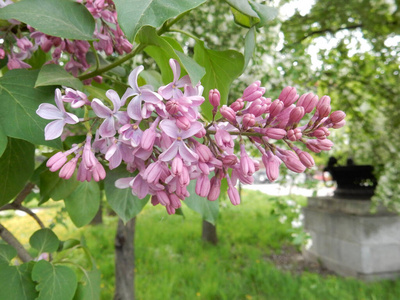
(172, 262)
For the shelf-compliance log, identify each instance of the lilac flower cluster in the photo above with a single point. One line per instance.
(108, 32)
(165, 143)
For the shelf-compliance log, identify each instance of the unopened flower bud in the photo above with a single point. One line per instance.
(275, 108)
(230, 160)
(296, 115)
(321, 133)
(163, 198)
(215, 189)
(214, 97)
(339, 124)
(271, 163)
(202, 186)
(228, 113)
(68, 169)
(337, 116)
(183, 123)
(251, 88)
(237, 105)
(308, 101)
(172, 107)
(291, 161)
(233, 193)
(324, 106)
(294, 134)
(248, 120)
(202, 132)
(288, 96)
(204, 152)
(56, 161)
(274, 133)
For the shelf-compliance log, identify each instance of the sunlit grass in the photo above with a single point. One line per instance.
(172, 262)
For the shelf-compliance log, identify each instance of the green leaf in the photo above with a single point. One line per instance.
(70, 243)
(207, 209)
(96, 92)
(89, 287)
(54, 187)
(38, 58)
(249, 46)
(62, 18)
(126, 205)
(19, 102)
(163, 49)
(264, 12)
(83, 204)
(16, 282)
(152, 77)
(243, 19)
(3, 141)
(55, 282)
(56, 75)
(16, 167)
(44, 240)
(243, 6)
(134, 14)
(195, 71)
(7, 253)
(222, 67)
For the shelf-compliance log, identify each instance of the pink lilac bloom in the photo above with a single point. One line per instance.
(48, 111)
(179, 146)
(172, 90)
(139, 94)
(108, 127)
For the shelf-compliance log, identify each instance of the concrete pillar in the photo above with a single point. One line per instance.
(349, 240)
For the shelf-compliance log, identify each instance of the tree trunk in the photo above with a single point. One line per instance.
(209, 232)
(124, 261)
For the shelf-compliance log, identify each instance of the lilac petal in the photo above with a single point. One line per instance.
(114, 97)
(185, 80)
(176, 68)
(133, 77)
(170, 128)
(53, 130)
(58, 99)
(194, 128)
(115, 160)
(143, 154)
(151, 97)
(110, 152)
(100, 109)
(196, 100)
(107, 128)
(186, 153)
(123, 183)
(70, 118)
(166, 91)
(134, 108)
(170, 153)
(136, 138)
(122, 117)
(49, 112)
(128, 93)
(140, 187)
(177, 93)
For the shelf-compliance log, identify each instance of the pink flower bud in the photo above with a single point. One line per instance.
(148, 139)
(183, 123)
(202, 132)
(339, 124)
(233, 193)
(237, 105)
(202, 186)
(68, 169)
(228, 113)
(153, 172)
(204, 152)
(306, 159)
(324, 106)
(215, 189)
(296, 115)
(274, 133)
(248, 120)
(251, 88)
(230, 160)
(321, 133)
(154, 200)
(175, 201)
(288, 96)
(271, 163)
(223, 139)
(337, 116)
(170, 209)
(275, 108)
(98, 172)
(308, 101)
(294, 134)
(162, 197)
(246, 163)
(184, 177)
(311, 145)
(2, 53)
(172, 107)
(214, 97)
(291, 161)
(56, 161)
(177, 165)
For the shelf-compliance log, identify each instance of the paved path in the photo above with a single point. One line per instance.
(276, 189)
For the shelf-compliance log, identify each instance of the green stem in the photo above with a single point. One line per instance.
(184, 32)
(238, 133)
(96, 56)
